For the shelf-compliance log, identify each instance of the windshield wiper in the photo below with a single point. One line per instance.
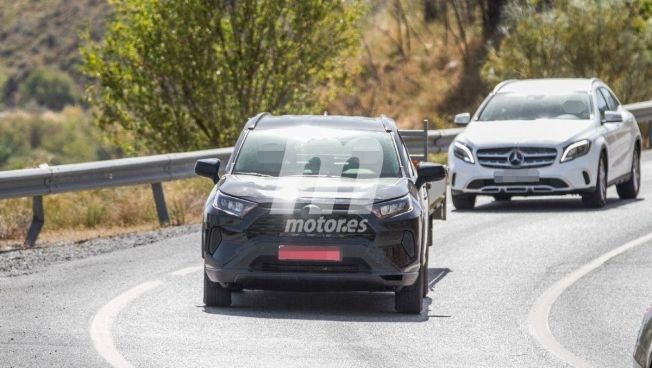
(251, 173)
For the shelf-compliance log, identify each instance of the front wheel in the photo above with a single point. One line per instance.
(629, 189)
(598, 198)
(463, 201)
(215, 295)
(409, 300)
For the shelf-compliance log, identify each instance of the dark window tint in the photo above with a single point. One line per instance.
(602, 104)
(313, 151)
(611, 101)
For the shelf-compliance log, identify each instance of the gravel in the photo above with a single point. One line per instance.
(25, 261)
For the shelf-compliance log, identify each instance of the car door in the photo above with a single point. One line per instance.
(620, 159)
(629, 131)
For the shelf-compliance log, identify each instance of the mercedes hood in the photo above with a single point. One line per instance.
(525, 132)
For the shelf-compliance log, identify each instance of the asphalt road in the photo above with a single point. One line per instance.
(143, 307)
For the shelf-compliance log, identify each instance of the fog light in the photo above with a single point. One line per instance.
(408, 243)
(214, 240)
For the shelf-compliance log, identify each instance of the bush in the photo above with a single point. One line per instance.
(611, 40)
(30, 139)
(186, 74)
(49, 88)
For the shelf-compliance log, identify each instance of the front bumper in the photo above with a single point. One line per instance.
(385, 260)
(575, 176)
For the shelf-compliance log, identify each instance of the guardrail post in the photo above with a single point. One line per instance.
(38, 219)
(159, 200)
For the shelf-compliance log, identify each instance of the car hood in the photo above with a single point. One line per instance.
(269, 189)
(520, 132)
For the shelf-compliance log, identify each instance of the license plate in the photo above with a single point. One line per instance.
(309, 253)
(516, 176)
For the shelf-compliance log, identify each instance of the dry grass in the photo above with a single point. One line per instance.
(412, 70)
(85, 215)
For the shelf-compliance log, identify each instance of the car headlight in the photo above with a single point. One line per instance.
(391, 208)
(463, 152)
(575, 150)
(231, 205)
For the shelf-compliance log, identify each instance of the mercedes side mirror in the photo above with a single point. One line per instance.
(428, 171)
(613, 117)
(462, 119)
(209, 168)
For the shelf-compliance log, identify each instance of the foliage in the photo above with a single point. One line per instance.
(45, 34)
(29, 139)
(49, 88)
(413, 64)
(610, 39)
(185, 74)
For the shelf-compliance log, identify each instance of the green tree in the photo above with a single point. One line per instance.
(608, 39)
(185, 74)
(49, 88)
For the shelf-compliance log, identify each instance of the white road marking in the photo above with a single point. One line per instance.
(540, 312)
(100, 329)
(187, 270)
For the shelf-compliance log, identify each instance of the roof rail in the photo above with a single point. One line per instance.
(595, 79)
(384, 120)
(502, 84)
(251, 124)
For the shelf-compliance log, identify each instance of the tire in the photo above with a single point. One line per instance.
(463, 201)
(629, 189)
(598, 198)
(502, 197)
(215, 295)
(409, 300)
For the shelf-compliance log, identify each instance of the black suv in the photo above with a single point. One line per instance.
(318, 203)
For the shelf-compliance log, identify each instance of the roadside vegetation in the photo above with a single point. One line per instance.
(96, 79)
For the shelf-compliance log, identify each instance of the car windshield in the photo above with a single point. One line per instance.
(317, 151)
(516, 106)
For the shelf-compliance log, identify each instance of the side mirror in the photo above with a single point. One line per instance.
(613, 117)
(462, 119)
(209, 168)
(428, 171)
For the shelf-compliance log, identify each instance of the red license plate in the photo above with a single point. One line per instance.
(309, 253)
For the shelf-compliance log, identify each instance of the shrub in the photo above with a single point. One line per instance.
(593, 38)
(49, 88)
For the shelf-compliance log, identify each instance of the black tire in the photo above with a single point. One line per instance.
(409, 300)
(598, 198)
(502, 197)
(463, 201)
(215, 295)
(629, 189)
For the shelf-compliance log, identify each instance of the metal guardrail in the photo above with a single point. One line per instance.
(154, 170)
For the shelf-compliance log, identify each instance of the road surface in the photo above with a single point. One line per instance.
(489, 269)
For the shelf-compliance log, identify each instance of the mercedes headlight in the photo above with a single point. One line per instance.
(463, 152)
(391, 208)
(231, 205)
(575, 150)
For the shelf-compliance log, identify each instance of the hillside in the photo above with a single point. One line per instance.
(44, 33)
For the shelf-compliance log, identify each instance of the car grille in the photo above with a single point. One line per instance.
(516, 157)
(274, 225)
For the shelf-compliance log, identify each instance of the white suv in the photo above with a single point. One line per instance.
(546, 137)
